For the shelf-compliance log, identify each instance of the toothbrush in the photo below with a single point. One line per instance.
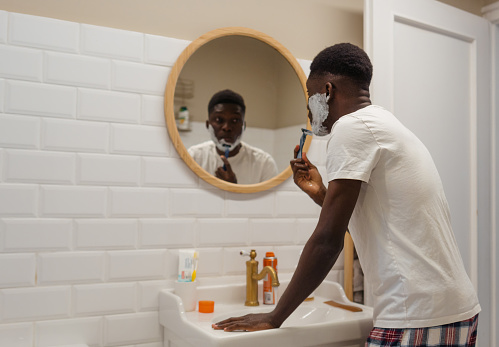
(227, 150)
(196, 258)
(305, 132)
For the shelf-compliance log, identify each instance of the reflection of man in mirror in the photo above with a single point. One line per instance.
(225, 155)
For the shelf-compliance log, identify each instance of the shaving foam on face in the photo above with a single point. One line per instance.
(319, 108)
(220, 144)
(186, 264)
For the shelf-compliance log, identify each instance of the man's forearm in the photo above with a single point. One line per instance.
(317, 259)
(323, 247)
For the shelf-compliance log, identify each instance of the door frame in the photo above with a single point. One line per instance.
(491, 13)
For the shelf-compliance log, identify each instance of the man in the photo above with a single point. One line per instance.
(226, 156)
(383, 184)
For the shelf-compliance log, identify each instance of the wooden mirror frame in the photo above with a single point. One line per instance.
(170, 113)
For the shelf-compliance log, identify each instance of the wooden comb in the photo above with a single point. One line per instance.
(345, 307)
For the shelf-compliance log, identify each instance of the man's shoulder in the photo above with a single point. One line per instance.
(254, 151)
(207, 145)
(369, 115)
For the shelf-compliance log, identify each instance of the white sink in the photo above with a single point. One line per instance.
(313, 323)
(303, 315)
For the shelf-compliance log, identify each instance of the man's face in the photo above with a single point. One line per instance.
(318, 107)
(227, 121)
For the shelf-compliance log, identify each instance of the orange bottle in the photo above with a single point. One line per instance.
(269, 292)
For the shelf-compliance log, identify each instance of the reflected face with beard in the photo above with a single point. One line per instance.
(226, 125)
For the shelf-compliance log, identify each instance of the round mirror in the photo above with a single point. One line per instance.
(268, 78)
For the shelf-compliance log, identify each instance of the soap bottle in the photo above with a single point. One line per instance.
(183, 118)
(269, 292)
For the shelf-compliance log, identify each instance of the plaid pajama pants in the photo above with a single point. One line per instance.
(459, 334)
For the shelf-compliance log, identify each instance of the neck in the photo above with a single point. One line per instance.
(354, 101)
(347, 105)
(356, 104)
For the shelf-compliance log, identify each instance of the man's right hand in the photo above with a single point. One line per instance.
(226, 173)
(307, 177)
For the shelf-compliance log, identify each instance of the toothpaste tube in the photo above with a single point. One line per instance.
(186, 263)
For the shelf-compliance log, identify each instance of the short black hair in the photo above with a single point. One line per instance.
(226, 96)
(343, 59)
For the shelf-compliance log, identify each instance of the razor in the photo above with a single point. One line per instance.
(227, 150)
(305, 132)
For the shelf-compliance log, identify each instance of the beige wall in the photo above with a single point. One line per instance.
(304, 27)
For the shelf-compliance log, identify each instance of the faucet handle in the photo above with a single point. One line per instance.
(251, 254)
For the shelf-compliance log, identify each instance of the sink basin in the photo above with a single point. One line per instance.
(313, 323)
(303, 315)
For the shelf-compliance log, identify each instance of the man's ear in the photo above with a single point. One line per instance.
(330, 91)
(207, 124)
(244, 125)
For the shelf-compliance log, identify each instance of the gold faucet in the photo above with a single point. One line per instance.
(252, 278)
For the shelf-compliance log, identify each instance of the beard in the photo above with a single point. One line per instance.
(222, 145)
(319, 109)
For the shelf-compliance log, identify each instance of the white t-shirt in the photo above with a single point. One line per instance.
(401, 223)
(250, 164)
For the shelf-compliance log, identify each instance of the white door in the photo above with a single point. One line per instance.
(432, 70)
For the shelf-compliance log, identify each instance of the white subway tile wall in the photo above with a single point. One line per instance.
(24, 276)
(132, 328)
(19, 131)
(167, 172)
(70, 267)
(39, 167)
(104, 169)
(140, 78)
(133, 265)
(2, 95)
(3, 26)
(40, 99)
(65, 332)
(222, 232)
(153, 110)
(111, 43)
(24, 304)
(167, 233)
(75, 136)
(46, 33)
(18, 334)
(21, 63)
(149, 294)
(105, 233)
(18, 200)
(138, 202)
(94, 299)
(163, 50)
(109, 106)
(77, 70)
(71, 201)
(94, 199)
(140, 140)
(35, 235)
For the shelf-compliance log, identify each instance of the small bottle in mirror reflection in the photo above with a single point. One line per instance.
(269, 292)
(183, 118)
